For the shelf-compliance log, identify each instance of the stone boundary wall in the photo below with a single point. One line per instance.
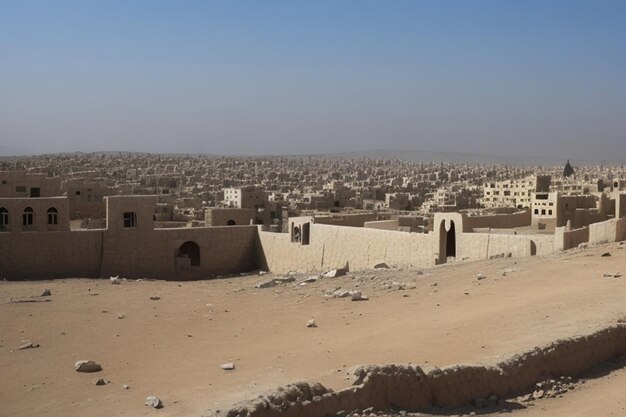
(45, 255)
(383, 225)
(567, 239)
(129, 253)
(347, 219)
(136, 254)
(477, 246)
(413, 388)
(608, 231)
(613, 230)
(221, 216)
(360, 248)
(497, 221)
(337, 246)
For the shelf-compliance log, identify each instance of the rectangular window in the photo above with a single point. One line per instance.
(130, 219)
(550, 212)
(543, 212)
(4, 218)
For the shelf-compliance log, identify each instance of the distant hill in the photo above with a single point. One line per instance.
(7, 152)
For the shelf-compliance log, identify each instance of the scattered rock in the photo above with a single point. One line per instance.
(155, 298)
(28, 345)
(381, 265)
(395, 285)
(87, 366)
(121, 316)
(605, 254)
(46, 293)
(102, 381)
(538, 394)
(228, 366)
(339, 293)
(154, 402)
(275, 281)
(266, 284)
(115, 279)
(612, 275)
(357, 296)
(310, 279)
(124, 386)
(480, 276)
(332, 273)
(261, 273)
(311, 323)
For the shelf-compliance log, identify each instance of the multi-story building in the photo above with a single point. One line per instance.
(514, 192)
(245, 197)
(19, 184)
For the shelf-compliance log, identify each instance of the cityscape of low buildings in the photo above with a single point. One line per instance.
(447, 211)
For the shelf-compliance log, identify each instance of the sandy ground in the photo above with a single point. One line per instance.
(173, 347)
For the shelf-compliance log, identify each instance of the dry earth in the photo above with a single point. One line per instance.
(173, 347)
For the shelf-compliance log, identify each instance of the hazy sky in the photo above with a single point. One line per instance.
(257, 77)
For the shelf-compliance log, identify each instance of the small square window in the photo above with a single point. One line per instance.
(130, 219)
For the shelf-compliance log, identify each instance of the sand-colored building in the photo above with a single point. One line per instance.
(36, 242)
(514, 192)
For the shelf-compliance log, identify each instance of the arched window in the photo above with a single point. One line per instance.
(53, 216)
(28, 217)
(4, 218)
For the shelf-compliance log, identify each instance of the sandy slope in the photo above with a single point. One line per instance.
(173, 347)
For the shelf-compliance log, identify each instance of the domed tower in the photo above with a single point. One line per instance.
(568, 171)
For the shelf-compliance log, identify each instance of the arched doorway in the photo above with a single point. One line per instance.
(230, 222)
(451, 241)
(447, 241)
(189, 250)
